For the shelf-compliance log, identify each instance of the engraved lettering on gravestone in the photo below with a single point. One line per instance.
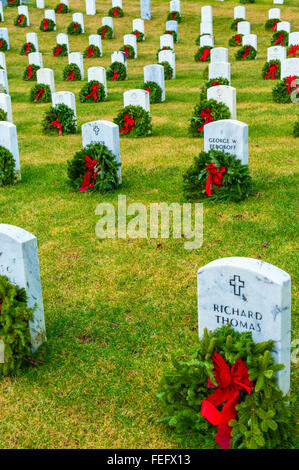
(237, 284)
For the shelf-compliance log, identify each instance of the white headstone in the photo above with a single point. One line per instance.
(65, 97)
(138, 25)
(137, 98)
(105, 133)
(19, 262)
(278, 2)
(9, 140)
(219, 69)
(166, 40)
(294, 38)
(290, 67)
(107, 21)
(206, 41)
(145, 9)
(167, 56)
(206, 28)
(32, 37)
(1, 11)
(250, 40)
(276, 53)
(119, 56)
(284, 26)
(252, 296)
(77, 58)
(40, 4)
(23, 10)
(5, 104)
(229, 136)
(206, 14)
(219, 54)
(4, 81)
(98, 74)
(131, 40)
(175, 5)
(46, 77)
(173, 26)
(274, 13)
(240, 12)
(35, 58)
(117, 3)
(224, 94)
(243, 27)
(90, 7)
(78, 18)
(62, 38)
(155, 73)
(2, 60)
(4, 35)
(50, 15)
(95, 40)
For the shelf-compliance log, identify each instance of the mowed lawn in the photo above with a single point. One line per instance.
(116, 310)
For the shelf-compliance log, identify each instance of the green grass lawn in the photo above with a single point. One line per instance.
(116, 310)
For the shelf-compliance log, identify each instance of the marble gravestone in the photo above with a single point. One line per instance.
(4, 81)
(90, 7)
(206, 28)
(243, 27)
(219, 70)
(119, 56)
(40, 4)
(96, 40)
(5, 104)
(252, 296)
(206, 41)
(168, 56)
(155, 73)
(240, 12)
(294, 38)
(108, 21)
(2, 60)
(78, 18)
(137, 98)
(145, 9)
(229, 136)
(35, 58)
(23, 10)
(224, 94)
(166, 40)
(274, 13)
(219, 54)
(1, 12)
(4, 35)
(62, 38)
(175, 5)
(284, 26)
(9, 140)
(173, 26)
(32, 37)
(105, 133)
(290, 67)
(131, 40)
(98, 74)
(117, 3)
(77, 58)
(250, 40)
(276, 53)
(50, 15)
(206, 14)
(46, 77)
(65, 97)
(19, 262)
(138, 25)
(278, 2)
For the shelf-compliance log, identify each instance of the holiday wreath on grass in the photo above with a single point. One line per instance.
(116, 12)
(94, 168)
(203, 54)
(13, 3)
(217, 176)
(20, 21)
(236, 40)
(173, 34)
(71, 72)
(60, 50)
(61, 8)
(234, 25)
(271, 24)
(154, 90)
(129, 51)
(92, 92)
(59, 120)
(30, 72)
(293, 51)
(168, 70)
(116, 72)
(106, 32)
(139, 35)
(7, 175)
(207, 111)
(27, 48)
(133, 121)
(282, 92)
(271, 70)
(280, 38)
(47, 25)
(246, 53)
(174, 16)
(212, 82)
(74, 28)
(245, 408)
(3, 45)
(91, 52)
(40, 93)
(247, 1)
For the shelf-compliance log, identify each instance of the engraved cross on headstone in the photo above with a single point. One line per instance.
(237, 284)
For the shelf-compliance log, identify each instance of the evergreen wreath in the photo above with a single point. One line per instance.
(7, 174)
(271, 70)
(74, 28)
(173, 34)
(246, 53)
(174, 16)
(212, 82)
(61, 8)
(247, 1)
(27, 48)
(203, 54)
(94, 168)
(21, 21)
(280, 38)
(296, 128)
(40, 93)
(293, 51)
(204, 112)
(116, 72)
(71, 72)
(106, 32)
(234, 25)
(30, 72)
(92, 92)
(47, 25)
(139, 35)
(14, 327)
(129, 50)
(282, 92)
(92, 51)
(59, 120)
(165, 48)
(3, 45)
(133, 121)
(13, 3)
(271, 24)
(3, 115)
(168, 70)
(116, 12)
(154, 90)
(200, 36)
(60, 50)
(236, 40)
(263, 419)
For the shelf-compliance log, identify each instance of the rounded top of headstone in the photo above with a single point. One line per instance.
(15, 233)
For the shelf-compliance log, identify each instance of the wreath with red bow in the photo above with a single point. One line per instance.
(139, 35)
(282, 92)
(207, 111)
(61, 8)
(271, 70)
(13, 3)
(227, 395)
(21, 21)
(116, 12)
(106, 32)
(212, 82)
(246, 53)
(91, 51)
(168, 70)
(47, 25)
(92, 92)
(236, 40)
(280, 38)
(93, 169)
(133, 121)
(59, 120)
(27, 48)
(116, 72)
(293, 51)
(3, 45)
(40, 93)
(173, 34)
(271, 25)
(74, 28)
(71, 73)
(174, 16)
(247, 1)
(234, 25)
(154, 90)
(30, 72)
(129, 51)
(203, 54)
(165, 48)
(7, 170)
(60, 50)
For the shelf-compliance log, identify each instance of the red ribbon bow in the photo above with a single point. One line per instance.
(288, 81)
(60, 6)
(206, 115)
(237, 38)
(173, 14)
(279, 39)
(71, 75)
(58, 125)
(76, 26)
(274, 25)
(29, 71)
(20, 20)
(230, 382)
(271, 72)
(41, 91)
(128, 123)
(45, 23)
(27, 48)
(116, 74)
(246, 52)
(11, 1)
(91, 172)
(126, 50)
(58, 49)
(147, 89)
(216, 83)
(205, 55)
(214, 178)
(94, 92)
(1, 42)
(103, 33)
(293, 50)
(137, 34)
(90, 52)
(115, 11)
